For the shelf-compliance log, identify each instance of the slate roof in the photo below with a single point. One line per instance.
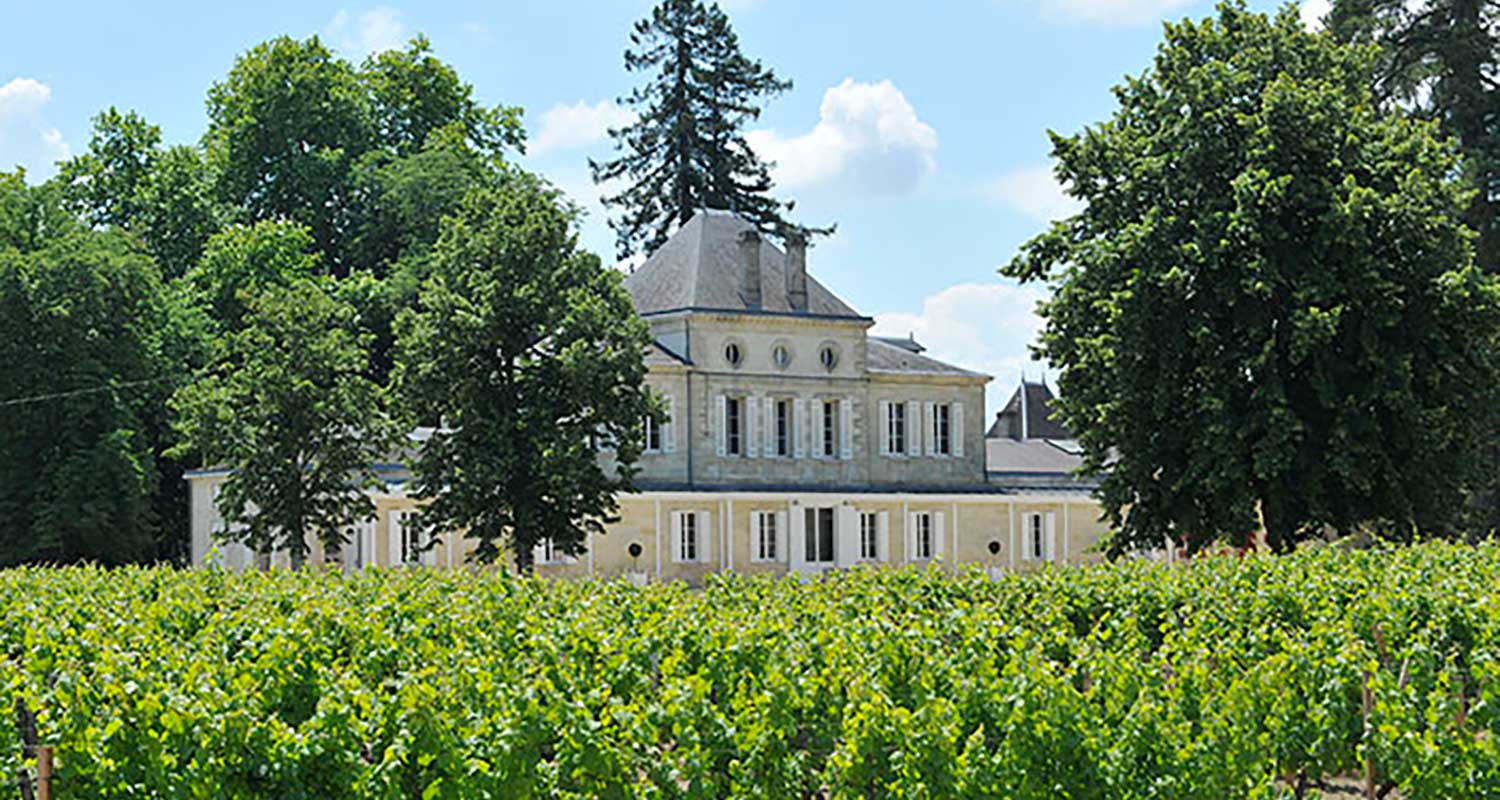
(699, 267)
(1040, 423)
(882, 356)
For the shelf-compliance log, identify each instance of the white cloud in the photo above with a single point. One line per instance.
(1033, 191)
(985, 327)
(1112, 12)
(26, 139)
(1313, 12)
(868, 136)
(569, 126)
(367, 32)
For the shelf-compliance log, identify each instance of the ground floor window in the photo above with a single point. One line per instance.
(869, 536)
(924, 536)
(765, 531)
(686, 546)
(819, 535)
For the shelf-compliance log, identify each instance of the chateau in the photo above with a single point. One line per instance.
(797, 442)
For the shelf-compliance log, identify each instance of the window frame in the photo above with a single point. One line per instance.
(869, 536)
(734, 426)
(828, 443)
(687, 539)
(924, 535)
(765, 548)
(782, 411)
(650, 429)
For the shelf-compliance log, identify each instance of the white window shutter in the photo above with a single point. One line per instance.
(755, 525)
(885, 427)
(799, 428)
(938, 533)
(782, 546)
(393, 528)
(913, 429)
(929, 418)
(1051, 535)
(846, 428)
(797, 547)
(538, 553)
(770, 426)
(722, 429)
(883, 536)
(846, 536)
(669, 428)
(705, 537)
(911, 536)
(956, 430)
(751, 412)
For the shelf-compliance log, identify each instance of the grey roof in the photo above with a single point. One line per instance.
(882, 356)
(1040, 421)
(699, 267)
(1008, 455)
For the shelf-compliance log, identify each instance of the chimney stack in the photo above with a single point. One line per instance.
(796, 270)
(750, 263)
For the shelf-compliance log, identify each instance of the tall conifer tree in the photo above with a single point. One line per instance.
(686, 150)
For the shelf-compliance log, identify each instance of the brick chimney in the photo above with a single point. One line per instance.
(796, 270)
(750, 267)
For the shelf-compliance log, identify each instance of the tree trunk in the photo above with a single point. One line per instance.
(1273, 519)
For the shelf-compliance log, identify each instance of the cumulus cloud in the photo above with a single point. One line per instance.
(1313, 12)
(367, 32)
(26, 138)
(1112, 12)
(568, 126)
(1033, 191)
(868, 136)
(986, 327)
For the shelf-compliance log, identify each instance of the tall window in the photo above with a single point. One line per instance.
(819, 535)
(653, 436)
(687, 536)
(942, 429)
(765, 536)
(783, 427)
(869, 536)
(1036, 537)
(895, 431)
(548, 552)
(829, 447)
(926, 542)
(734, 426)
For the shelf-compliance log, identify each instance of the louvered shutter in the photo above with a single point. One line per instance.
(846, 428)
(885, 427)
(1051, 535)
(782, 545)
(939, 533)
(913, 429)
(677, 553)
(883, 536)
(705, 537)
(799, 428)
(930, 424)
(956, 430)
(669, 428)
(797, 535)
(751, 413)
(911, 536)
(846, 536)
(769, 416)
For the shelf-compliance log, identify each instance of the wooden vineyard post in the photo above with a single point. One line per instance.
(1369, 705)
(44, 772)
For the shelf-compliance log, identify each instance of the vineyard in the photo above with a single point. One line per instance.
(1257, 677)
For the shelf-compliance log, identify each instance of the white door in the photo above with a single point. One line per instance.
(817, 541)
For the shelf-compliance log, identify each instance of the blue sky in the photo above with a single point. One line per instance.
(920, 128)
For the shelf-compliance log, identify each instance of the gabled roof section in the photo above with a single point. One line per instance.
(883, 356)
(1028, 415)
(699, 268)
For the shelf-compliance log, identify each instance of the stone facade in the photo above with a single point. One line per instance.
(797, 442)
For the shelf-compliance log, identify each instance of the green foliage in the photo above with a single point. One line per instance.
(290, 410)
(686, 150)
(1216, 680)
(244, 260)
(413, 95)
(524, 353)
(88, 350)
(1267, 311)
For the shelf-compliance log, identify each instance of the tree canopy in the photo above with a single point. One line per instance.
(1267, 311)
(523, 354)
(686, 150)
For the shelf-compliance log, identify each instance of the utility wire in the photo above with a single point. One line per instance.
(40, 398)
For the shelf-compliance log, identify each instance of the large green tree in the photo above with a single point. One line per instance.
(523, 353)
(89, 347)
(686, 150)
(289, 409)
(1267, 311)
(1438, 60)
(242, 261)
